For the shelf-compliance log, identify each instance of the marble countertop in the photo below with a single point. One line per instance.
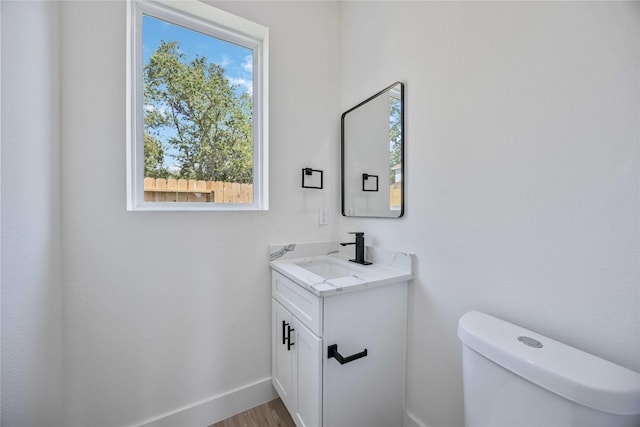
(388, 267)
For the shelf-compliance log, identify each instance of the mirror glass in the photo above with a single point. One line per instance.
(373, 156)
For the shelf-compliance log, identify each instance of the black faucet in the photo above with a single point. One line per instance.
(359, 248)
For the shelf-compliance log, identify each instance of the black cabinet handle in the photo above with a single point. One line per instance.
(332, 351)
(289, 343)
(284, 336)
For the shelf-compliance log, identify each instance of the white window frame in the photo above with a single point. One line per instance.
(217, 23)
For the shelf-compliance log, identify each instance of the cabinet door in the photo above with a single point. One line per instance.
(282, 359)
(307, 377)
(368, 391)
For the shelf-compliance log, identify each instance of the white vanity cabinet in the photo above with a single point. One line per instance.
(367, 328)
(296, 366)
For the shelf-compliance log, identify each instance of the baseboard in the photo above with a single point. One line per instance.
(217, 408)
(410, 420)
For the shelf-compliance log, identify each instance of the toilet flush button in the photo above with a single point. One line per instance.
(530, 342)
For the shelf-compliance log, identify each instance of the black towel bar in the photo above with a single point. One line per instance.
(332, 351)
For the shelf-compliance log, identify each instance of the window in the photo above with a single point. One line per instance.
(197, 132)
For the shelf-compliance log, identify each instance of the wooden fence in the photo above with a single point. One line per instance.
(396, 197)
(183, 190)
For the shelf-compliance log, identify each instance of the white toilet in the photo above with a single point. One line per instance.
(514, 377)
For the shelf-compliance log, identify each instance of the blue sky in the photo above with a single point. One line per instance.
(236, 60)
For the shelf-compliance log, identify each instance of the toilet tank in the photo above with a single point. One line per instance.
(515, 377)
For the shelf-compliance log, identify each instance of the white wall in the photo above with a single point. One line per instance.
(31, 269)
(522, 173)
(165, 310)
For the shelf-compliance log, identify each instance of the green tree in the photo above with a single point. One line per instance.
(154, 158)
(395, 135)
(191, 107)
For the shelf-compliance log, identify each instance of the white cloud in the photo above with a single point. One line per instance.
(150, 108)
(247, 64)
(225, 61)
(246, 84)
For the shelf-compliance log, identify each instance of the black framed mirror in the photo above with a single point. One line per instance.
(373, 156)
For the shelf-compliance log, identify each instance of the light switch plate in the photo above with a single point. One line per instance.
(323, 216)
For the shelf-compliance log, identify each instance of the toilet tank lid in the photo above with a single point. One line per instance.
(559, 368)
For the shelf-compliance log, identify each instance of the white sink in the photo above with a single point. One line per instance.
(330, 274)
(327, 268)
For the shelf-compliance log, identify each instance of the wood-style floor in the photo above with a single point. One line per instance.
(271, 414)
